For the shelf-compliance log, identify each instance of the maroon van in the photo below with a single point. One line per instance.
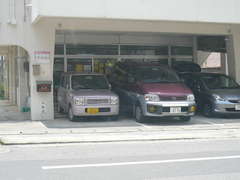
(152, 90)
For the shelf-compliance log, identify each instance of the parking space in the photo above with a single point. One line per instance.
(128, 122)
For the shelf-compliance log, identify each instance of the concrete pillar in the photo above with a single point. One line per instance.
(12, 75)
(233, 51)
(42, 106)
(195, 50)
(6, 77)
(223, 63)
(22, 89)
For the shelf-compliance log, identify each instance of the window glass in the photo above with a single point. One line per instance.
(181, 50)
(92, 49)
(119, 76)
(58, 69)
(143, 50)
(79, 65)
(59, 49)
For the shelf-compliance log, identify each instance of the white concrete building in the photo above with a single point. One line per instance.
(41, 38)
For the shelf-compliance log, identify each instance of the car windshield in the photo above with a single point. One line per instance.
(156, 75)
(216, 81)
(89, 82)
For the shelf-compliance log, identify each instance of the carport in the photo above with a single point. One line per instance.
(77, 51)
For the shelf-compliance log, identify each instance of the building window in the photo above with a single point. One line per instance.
(181, 50)
(143, 50)
(92, 49)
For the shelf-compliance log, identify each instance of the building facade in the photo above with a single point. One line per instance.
(39, 39)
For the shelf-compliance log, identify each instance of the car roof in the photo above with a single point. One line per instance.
(199, 74)
(130, 65)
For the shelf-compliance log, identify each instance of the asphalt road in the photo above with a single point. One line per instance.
(171, 160)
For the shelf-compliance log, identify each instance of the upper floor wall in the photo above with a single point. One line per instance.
(218, 11)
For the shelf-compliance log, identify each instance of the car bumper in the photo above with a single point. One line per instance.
(226, 108)
(106, 110)
(161, 109)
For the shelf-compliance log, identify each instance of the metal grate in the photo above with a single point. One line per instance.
(173, 98)
(97, 101)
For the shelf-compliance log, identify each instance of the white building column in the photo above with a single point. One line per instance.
(12, 74)
(233, 50)
(23, 86)
(42, 106)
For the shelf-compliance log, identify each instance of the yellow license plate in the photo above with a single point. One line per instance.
(92, 110)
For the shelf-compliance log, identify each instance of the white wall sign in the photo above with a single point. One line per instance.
(41, 57)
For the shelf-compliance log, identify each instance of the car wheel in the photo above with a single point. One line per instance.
(71, 115)
(207, 110)
(185, 118)
(133, 110)
(114, 118)
(139, 114)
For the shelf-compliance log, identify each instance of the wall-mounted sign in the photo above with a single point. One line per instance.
(44, 86)
(41, 57)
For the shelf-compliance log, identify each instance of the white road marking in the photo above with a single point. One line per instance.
(209, 122)
(143, 125)
(139, 162)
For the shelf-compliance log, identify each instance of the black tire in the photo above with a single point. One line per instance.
(207, 110)
(71, 117)
(114, 118)
(185, 118)
(139, 114)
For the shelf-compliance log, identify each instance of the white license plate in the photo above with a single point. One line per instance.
(175, 110)
(237, 107)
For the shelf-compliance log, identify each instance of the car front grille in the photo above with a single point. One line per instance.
(94, 101)
(173, 98)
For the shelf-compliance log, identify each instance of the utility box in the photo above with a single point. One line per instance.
(44, 86)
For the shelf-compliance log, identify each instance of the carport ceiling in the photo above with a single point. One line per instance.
(212, 43)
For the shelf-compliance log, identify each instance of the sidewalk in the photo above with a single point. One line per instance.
(64, 131)
(10, 112)
(16, 128)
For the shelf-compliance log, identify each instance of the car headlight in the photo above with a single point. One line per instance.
(79, 101)
(190, 97)
(114, 100)
(218, 98)
(151, 97)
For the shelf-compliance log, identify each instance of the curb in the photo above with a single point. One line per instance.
(116, 137)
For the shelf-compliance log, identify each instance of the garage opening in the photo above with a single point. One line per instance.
(98, 52)
(212, 54)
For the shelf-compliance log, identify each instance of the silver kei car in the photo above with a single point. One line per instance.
(86, 94)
